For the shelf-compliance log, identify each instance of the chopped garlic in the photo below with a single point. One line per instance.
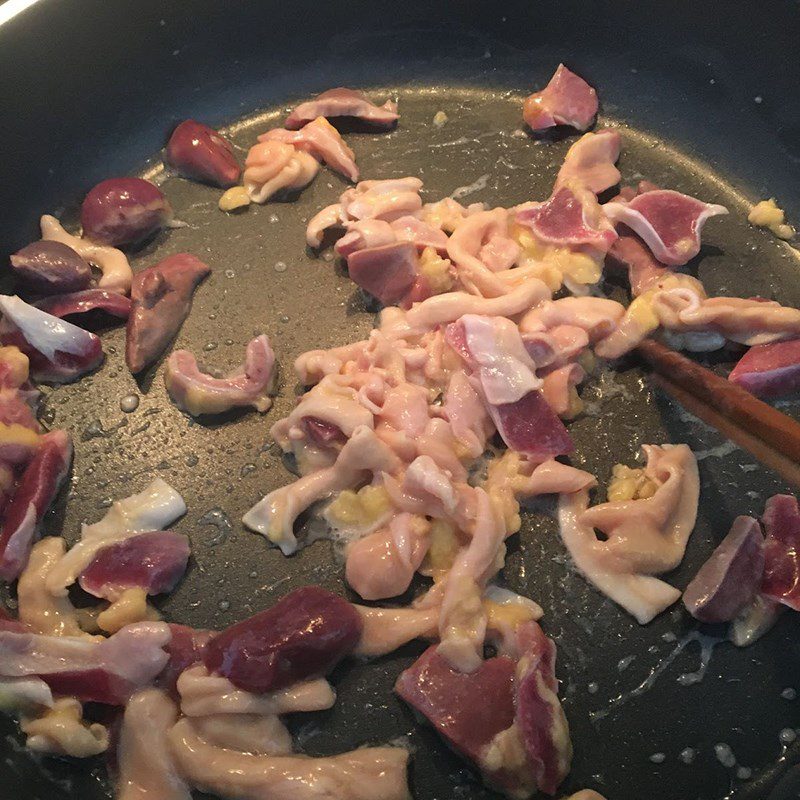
(17, 363)
(641, 309)
(507, 752)
(502, 478)
(16, 434)
(629, 484)
(61, 730)
(235, 197)
(436, 270)
(443, 549)
(766, 214)
(439, 119)
(557, 263)
(507, 615)
(361, 510)
(131, 607)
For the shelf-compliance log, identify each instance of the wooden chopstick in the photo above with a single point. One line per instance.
(772, 437)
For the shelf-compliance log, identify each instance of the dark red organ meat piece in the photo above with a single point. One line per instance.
(304, 635)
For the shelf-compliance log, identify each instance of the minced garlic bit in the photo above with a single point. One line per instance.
(766, 214)
(463, 615)
(629, 483)
(444, 546)
(131, 607)
(16, 363)
(507, 752)
(61, 730)
(557, 263)
(501, 484)
(361, 509)
(439, 119)
(641, 309)
(235, 197)
(507, 615)
(15, 434)
(436, 270)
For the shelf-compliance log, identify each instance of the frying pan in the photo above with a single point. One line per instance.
(705, 95)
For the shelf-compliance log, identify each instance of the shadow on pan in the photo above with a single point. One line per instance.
(703, 97)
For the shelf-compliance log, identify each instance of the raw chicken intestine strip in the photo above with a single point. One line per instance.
(747, 321)
(462, 623)
(113, 263)
(466, 413)
(151, 509)
(679, 305)
(203, 694)
(245, 733)
(386, 629)
(465, 247)
(382, 564)
(366, 233)
(331, 216)
(558, 388)
(644, 536)
(274, 166)
(343, 102)
(313, 365)
(146, 768)
(428, 490)
(647, 313)
(514, 477)
(449, 307)
(591, 161)
(597, 316)
(274, 515)
(335, 400)
(385, 200)
(382, 199)
(319, 139)
(45, 613)
(370, 773)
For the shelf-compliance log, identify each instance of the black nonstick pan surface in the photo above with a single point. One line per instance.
(705, 95)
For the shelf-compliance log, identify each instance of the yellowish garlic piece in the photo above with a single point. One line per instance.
(558, 263)
(443, 548)
(767, 214)
(234, 198)
(360, 509)
(131, 607)
(502, 479)
(61, 730)
(16, 434)
(436, 270)
(630, 483)
(507, 615)
(17, 363)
